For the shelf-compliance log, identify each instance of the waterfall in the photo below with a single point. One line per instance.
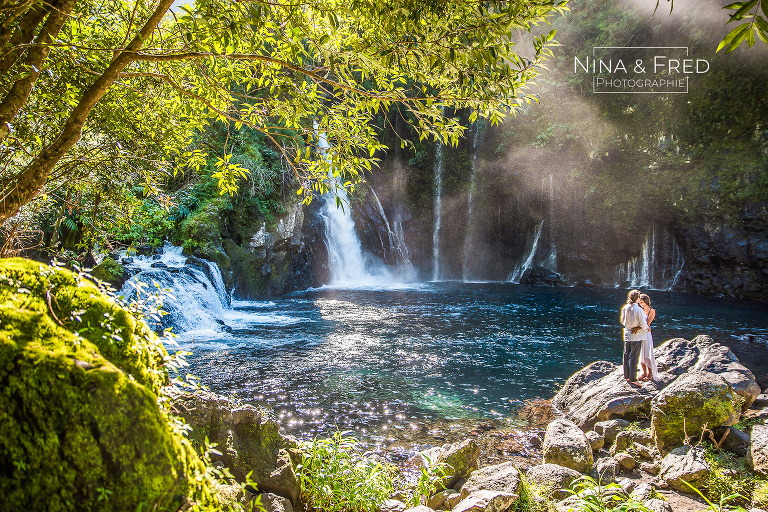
(397, 246)
(528, 262)
(470, 203)
(193, 293)
(348, 264)
(658, 266)
(551, 262)
(437, 214)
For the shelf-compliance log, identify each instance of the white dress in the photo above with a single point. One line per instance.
(646, 354)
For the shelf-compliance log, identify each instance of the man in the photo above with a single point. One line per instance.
(635, 327)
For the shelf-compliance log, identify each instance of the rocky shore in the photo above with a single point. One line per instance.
(645, 444)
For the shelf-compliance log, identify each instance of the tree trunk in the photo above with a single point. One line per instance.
(23, 34)
(34, 176)
(36, 57)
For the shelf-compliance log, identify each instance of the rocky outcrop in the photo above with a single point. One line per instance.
(502, 477)
(110, 272)
(566, 445)
(249, 440)
(684, 464)
(694, 401)
(554, 477)
(460, 458)
(757, 456)
(599, 392)
(540, 276)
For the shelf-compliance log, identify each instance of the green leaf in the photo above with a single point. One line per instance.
(734, 38)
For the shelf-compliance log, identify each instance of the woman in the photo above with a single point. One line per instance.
(647, 361)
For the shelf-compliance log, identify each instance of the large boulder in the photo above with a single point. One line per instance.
(566, 445)
(696, 400)
(684, 464)
(110, 272)
(249, 439)
(757, 456)
(599, 392)
(502, 477)
(486, 501)
(79, 414)
(556, 478)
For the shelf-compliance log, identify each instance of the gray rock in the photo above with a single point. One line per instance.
(657, 505)
(650, 467)
(556, 478)
(643, 492)
(596, 441)
(604, 471)
(696, 399)
(420, 508)
(684, 464)
(486, 501)
(626, 485)
(445, 499)
(462, 459)
(249, 440)
(626, 461)
(275, 503)
(643, 450)
(626, 438)
(599, 392)
(566, 445)
(504, 478)
(610, 429)
(392, 505)
(757, 457)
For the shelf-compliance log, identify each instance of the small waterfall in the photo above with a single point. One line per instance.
(528, 262)
(658, 266)
(470, 204)
(551, 262)
(193, 293)
(348, 264)
(437, 214)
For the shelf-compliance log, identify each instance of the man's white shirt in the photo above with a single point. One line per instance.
(632, 315)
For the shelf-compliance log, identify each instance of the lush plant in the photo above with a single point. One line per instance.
(760, 494)
(336, 477)
(533, 498)
(729, 479)
(721, 505)
(431, 479)
(593, 497)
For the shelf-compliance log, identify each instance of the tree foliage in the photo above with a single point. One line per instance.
(121, 87)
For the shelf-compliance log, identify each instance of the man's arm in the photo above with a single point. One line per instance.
(641, 319)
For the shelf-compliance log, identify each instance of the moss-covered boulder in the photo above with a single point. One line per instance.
(201, 232)
(110, 272)
(695, 400)
(80, 425)
(566, 445)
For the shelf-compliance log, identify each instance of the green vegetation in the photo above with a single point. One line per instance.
(589, 496)
(533, 498)
(729, 480)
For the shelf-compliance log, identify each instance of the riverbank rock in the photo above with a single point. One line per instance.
(599, 393)
(695, 400)
(554, 477)
(596, 441)
(626, 438)
(462, 459)
(604, 471)
(249, 440)
(502, 477)
(684, 464)
(610, 429)
(110, 272)
(566, 445)
(540, 276)
(486, 501)
(79, 411)
(757, 456)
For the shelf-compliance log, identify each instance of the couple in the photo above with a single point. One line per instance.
(636, 316)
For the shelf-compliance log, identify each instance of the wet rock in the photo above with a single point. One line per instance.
(684, 464)
(596, 441)
(566, 445)
(604, 471)
(610, 429)
(502, 477)
(110, 271)
(486, 501)
(757, 456)
(555, 477)
(626, 461)
(696, 399)
(540, 276)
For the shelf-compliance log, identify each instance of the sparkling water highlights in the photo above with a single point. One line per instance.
(386, 361)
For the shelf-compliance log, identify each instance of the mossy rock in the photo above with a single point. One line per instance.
(110, 272)
(200, 233)
(695, 401)
(80, 425)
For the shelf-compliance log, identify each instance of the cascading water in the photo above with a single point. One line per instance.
(348, 264)
(551, 261)
(438, 212)
(404, 268)
(528, 262)
(658, 266)
(193, 294)
(470, 204)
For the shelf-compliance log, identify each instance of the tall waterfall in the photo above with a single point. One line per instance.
(348, 264)
(659, 264)
(528, 262)
(438, 212)
(470, 204)
(396, 240)
(193, 294)
(551, 261)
